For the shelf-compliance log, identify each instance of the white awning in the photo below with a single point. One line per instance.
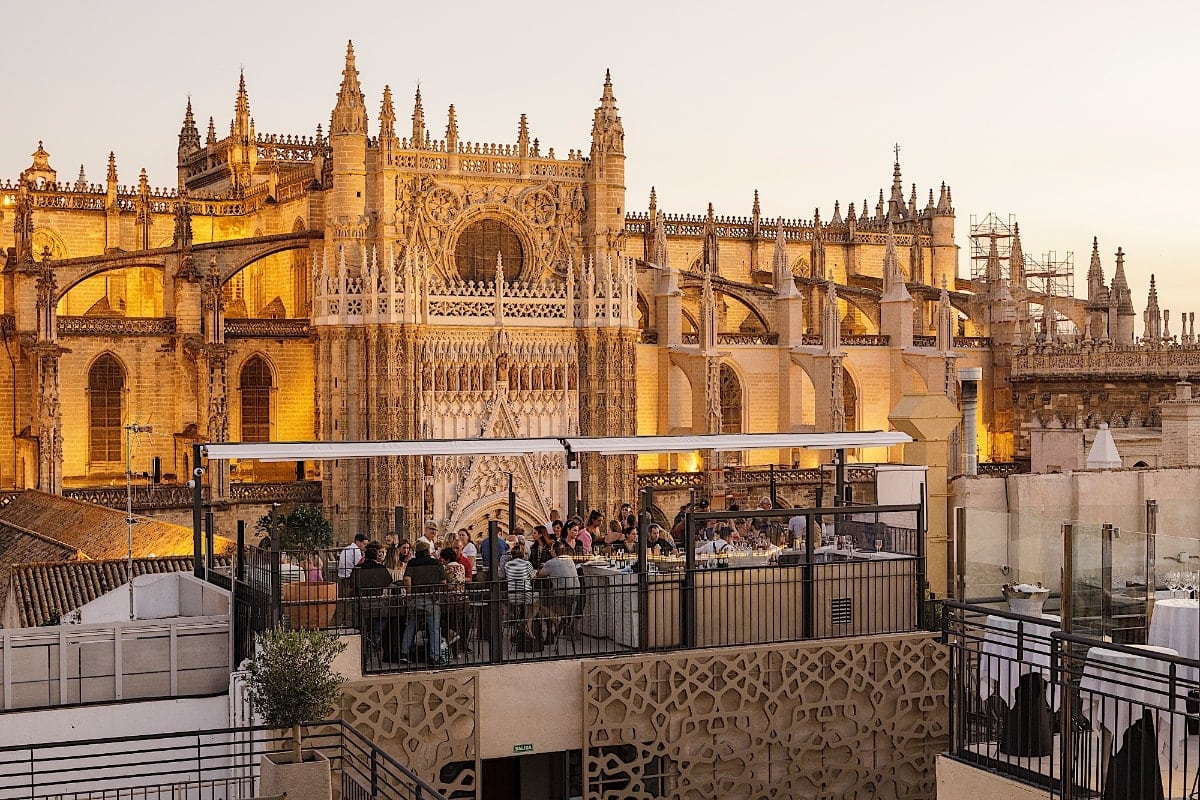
(617, 445)
(608, 445)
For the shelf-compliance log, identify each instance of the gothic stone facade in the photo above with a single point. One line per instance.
(369, 282)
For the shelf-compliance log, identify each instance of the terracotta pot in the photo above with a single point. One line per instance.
(309, 780)
(310, 606)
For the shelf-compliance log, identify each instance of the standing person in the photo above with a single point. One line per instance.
(484, 548)
(348, 559)
(454, 620)
(797, 527)
(467, 549)
(370, 580)
(425, 580)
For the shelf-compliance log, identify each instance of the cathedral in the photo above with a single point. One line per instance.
(372, 281)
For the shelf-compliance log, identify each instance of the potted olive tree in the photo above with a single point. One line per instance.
(291, 681)
(304, 532)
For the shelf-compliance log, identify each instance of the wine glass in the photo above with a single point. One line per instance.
(1190, 580)
(1174, 581)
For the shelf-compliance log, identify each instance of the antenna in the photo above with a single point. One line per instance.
(130, 429)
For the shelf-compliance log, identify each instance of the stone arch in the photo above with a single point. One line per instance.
(256, 384)
(645, 313)
(71, 281)
(851, 398)
(495, 506)
(128, 291)
(867, 311)
(733, 396)
(107, 384)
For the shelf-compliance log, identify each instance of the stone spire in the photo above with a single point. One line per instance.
(836, 219)
(211, 138)
(944, 208)
(418, 122)
(111, 177)
(189, 134)
(781, 269)
(451, 129)
(81, 183)
(1120, 286)
(1152, 317)
(895, 207)
(350, 112)
(387, 115)
(893, 279)
(1016, 257)
(945, 320)
(912, 202)
(831, 322)
(243, 125)
(659, 255)
(523, 137)
(1097, 292)
(712, 252)
(608, 134)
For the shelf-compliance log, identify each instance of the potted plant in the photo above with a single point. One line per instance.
(291, 681)
(304, 533)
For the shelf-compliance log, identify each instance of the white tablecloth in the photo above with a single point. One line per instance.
(1001, 664)
(1176, 624)
(1116, 687)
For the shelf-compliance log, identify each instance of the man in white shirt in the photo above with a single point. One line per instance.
(347, 560)
(351, 555)
(429, 535)
(717, 546)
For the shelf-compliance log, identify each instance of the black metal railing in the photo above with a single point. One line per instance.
(220, 764)
(1076, 716)
(795, 574)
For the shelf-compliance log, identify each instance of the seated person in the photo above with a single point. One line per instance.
(719, 545)
(629, 541)
(660, 543)
(563, 578)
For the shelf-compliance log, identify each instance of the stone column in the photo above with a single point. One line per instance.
(930, 419)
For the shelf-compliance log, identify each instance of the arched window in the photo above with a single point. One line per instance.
(475, 253)
(255, 387)
(731, 401)
(849, 400)
(106, 385)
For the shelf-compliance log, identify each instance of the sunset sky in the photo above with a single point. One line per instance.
(1078, 118)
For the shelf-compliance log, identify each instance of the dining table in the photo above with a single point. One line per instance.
(1014, 665)
(1130, 697)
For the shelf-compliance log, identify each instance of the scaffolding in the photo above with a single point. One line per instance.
(1043, 280)
(984, 232)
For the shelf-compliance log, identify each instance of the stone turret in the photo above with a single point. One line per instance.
(348, 139)
(945, 251)
(1121, 329)
(243, 149)
(189, 142)
(40, 170)
(604, 181)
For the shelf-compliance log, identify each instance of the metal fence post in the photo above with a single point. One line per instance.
(495, 633)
